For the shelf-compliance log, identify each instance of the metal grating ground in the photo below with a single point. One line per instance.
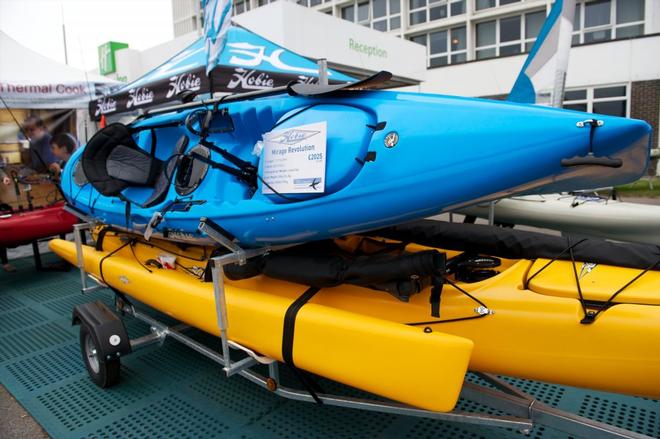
(175, 392)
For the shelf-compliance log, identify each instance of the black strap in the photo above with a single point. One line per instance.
(445, 279)
(226, 154)
(436, 292)
(101, 236)
(240, 174)
(287, 341)
(153, 142)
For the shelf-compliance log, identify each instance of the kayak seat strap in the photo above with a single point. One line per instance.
(287, 342)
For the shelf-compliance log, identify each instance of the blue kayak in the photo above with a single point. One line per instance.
(295, 167)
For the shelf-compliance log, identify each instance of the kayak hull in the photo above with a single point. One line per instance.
(449, 152)
(612, 219)
(338, 344)
(25, 227)
(534, 333)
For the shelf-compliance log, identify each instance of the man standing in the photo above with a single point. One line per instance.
(41, 156)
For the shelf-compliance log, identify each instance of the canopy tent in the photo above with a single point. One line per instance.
(247, 63)
(30, 80)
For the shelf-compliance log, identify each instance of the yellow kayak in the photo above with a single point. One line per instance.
(373, 341)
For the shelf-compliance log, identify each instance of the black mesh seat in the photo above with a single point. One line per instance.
(164, 178)
(112, 162)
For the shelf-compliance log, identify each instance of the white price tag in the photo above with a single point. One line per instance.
(294, 160)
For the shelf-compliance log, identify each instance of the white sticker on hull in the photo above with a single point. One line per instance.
(294, 160)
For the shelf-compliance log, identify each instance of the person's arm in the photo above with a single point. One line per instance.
(55, 168)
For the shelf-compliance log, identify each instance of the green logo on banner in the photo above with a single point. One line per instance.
(107, 56)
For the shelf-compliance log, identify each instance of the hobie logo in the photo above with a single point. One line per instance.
(587, 268)
(293, 136)
(179, 83)
(105, 106)
(139, 96)
(249, 55)
(250, 80)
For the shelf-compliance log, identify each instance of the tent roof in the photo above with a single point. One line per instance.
(243, 49)
(21, 65)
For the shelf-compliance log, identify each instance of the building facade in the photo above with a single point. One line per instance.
(476, 47)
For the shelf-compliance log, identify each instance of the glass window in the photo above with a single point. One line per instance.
(486, 33)
(510, 29)
(314, 2)
(416, 4)
(418, 17)
(438, 12)
(597, 13)
(576, 19)
(458, 8)
(600, 35)
(438, 41)
(380, 25)
(458, 58)
(395, 6)
(630, 31)
(363, 12)
(533, 23)
(483, 4)
(348, 13)
(506, 2)
(395, 23)
(629, 10)
(575, 95)
(438, 61)
(419, 39)
(610, 100)
(609, 92)
(613, 108)
(577, 107)
(379, 8)
(486, 53)
(458, 40)
(510, 50)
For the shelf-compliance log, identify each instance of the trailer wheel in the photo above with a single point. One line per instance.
(104, 373)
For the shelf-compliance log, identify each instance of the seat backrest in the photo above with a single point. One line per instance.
(131, 165)
(96, 153)
(166, 176)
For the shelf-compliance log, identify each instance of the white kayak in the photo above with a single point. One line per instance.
(582, 214)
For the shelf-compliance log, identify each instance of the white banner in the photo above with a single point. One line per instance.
(294, 160)
(63, 95)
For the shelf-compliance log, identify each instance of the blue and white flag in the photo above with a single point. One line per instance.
(217, 20)
(544, 70)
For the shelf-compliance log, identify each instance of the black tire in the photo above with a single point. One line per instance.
(104, 373)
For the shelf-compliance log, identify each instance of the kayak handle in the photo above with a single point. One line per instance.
(592, 160)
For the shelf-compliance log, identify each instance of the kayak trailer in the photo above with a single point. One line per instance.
(104, 340)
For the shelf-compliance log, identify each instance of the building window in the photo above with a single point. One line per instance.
(422, 11)
(445, 46)
(508, 35)
(485, 4)
(603, 20)
(611, 100)
(241, 6)
(307, 3)
(382, 15)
